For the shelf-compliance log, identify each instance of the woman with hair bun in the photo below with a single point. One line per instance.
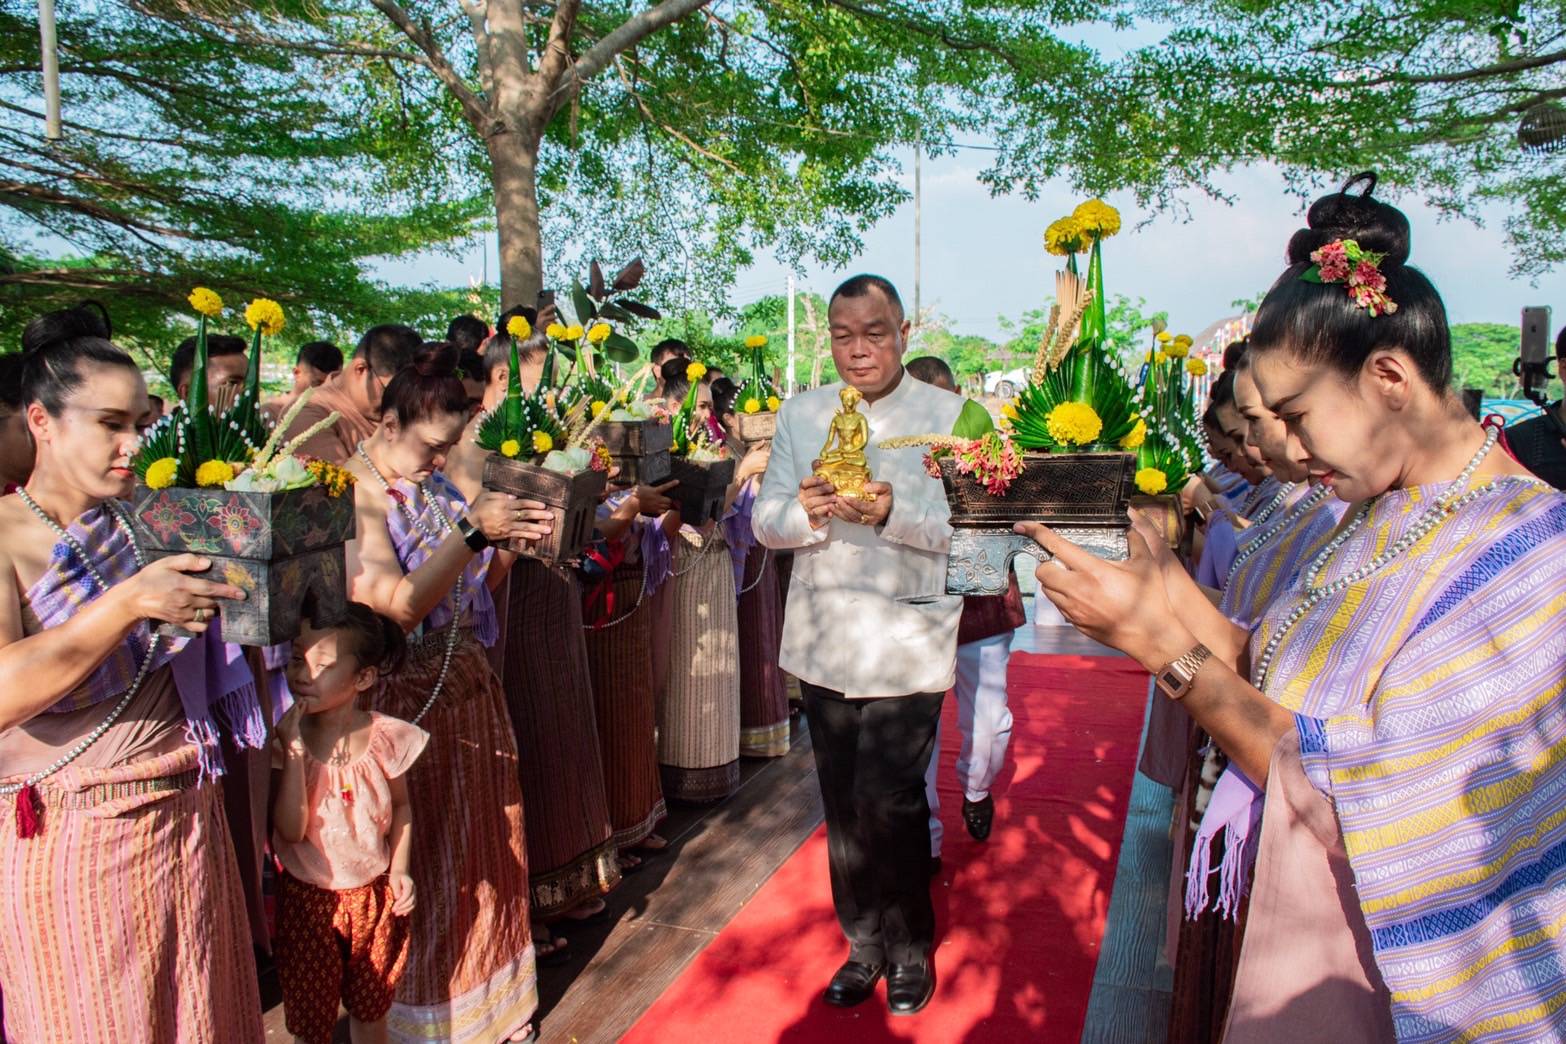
(121, 914)
(1398, 705)
(422, 558)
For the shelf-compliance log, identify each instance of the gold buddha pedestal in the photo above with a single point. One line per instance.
(842, 461)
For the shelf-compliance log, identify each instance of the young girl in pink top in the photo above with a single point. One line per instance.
(341, 827)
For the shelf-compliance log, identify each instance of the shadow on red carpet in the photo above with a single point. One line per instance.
(1020, 917)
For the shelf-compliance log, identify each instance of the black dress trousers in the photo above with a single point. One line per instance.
(871, 756)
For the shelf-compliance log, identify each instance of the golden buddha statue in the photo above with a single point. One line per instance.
(842, 461)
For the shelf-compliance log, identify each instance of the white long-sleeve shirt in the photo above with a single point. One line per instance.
(868, 614)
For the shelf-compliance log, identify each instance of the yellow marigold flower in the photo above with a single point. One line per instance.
(1177, 350)
(160, 473)
(599, 406)
(1136, 436)
(752, 406)
(1009, 410)
(206, 302)
(214, 473)
(1074, 423)
(556, 331)
(1160, 358)
(695, 371)
(1099, 220)
(756, 341)
(1063, 237)
(1196, 367)
(1184, 339)
(265, 315)
(773, 402)
(542, 442)
(518, 327)
(510, 448)
(573, 332)
(1151, 481)
(599, 333)
(1164, 337)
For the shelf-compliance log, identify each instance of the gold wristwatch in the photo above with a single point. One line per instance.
(1176, 676)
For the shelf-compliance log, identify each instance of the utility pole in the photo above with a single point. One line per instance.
(788, 383)
(51, 69)
(918, 316)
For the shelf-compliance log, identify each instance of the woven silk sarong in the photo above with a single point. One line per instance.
(1429, 707)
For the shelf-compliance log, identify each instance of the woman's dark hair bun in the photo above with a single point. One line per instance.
(436, 359)
(56, 347)
(1374, 225)
(427, 386)
(88, 319)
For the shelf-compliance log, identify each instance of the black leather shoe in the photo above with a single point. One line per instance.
(853, 984)
(978, 816)
(909, 987)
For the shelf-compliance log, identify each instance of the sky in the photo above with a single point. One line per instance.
(983, 255)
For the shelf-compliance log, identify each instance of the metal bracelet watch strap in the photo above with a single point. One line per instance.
(1177, 676)
(472, 535)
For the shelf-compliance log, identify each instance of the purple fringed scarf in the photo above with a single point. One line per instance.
(213, 680)
(1235, 808)
(657, 555)
(737, 532)
(478, 604)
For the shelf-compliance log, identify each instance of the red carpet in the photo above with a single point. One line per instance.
(1021, 916)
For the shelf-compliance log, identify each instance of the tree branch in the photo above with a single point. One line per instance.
(627, 35)
(473, 107)
(673, 133)
(476, 10)
(557, 49)
(1516, 65)
(26, 192)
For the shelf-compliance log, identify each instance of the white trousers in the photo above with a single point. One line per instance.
(984, 721)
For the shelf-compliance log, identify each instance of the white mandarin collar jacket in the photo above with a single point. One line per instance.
(867, 611)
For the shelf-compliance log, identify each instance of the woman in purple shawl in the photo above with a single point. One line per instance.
(121, 916)
(421, 557)
(1399, 705)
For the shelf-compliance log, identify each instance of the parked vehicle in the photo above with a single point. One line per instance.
(1007, 383)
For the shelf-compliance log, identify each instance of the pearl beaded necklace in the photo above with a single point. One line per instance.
(1276, 502)
(1443, 509)
(1315, 497)
(453, 630)
(103, 726)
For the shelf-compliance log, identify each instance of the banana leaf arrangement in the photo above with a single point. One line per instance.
(1077, 399)
(1170, 452)
(202, 444)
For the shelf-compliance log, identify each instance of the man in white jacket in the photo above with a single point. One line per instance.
(871, 635)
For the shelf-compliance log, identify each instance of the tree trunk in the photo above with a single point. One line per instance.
(514, 165)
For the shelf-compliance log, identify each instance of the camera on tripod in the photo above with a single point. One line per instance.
(1532, 366)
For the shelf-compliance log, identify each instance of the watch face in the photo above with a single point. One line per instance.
(1171, 680)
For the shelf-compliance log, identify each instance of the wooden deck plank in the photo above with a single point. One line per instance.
(667, 912)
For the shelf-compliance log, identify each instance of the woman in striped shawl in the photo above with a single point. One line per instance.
(421, 557)
(1399, 705)
(121, 916)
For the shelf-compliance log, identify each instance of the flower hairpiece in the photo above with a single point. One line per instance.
(1344, 261)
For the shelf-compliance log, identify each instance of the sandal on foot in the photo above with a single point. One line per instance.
(552, 952)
